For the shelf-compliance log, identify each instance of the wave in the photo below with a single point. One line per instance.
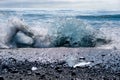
(73, 32)
(99, 17)
(67, 32)
(113, 34)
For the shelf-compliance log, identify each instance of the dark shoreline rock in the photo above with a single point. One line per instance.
(12, 69)
(50, 64)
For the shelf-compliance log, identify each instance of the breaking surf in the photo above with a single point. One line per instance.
(65, 29)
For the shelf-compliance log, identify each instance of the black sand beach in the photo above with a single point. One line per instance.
(51, 64)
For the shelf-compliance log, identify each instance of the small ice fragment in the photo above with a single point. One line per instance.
(82, 64)
(34, 68)
(82, 58)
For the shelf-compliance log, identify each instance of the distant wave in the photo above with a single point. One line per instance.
(99, 17)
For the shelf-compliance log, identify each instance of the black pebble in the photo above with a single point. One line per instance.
(1, 78)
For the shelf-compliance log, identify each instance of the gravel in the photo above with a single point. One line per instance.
(53, 64)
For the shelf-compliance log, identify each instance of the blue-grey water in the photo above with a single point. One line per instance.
(108, 22)
(96, 19)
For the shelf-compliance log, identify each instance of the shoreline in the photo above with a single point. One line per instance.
(51, 55)
(50, 63)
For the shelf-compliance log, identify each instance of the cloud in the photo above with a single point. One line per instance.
(75, 4)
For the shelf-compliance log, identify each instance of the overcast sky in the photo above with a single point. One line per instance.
(63, 4)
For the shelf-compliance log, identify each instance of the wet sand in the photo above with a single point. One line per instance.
(50, 64)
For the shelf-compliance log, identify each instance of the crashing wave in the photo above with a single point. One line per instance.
(71, 32)
(113, 34)
(63, 32)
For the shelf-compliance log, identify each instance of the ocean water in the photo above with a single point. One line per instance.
(70, 28)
